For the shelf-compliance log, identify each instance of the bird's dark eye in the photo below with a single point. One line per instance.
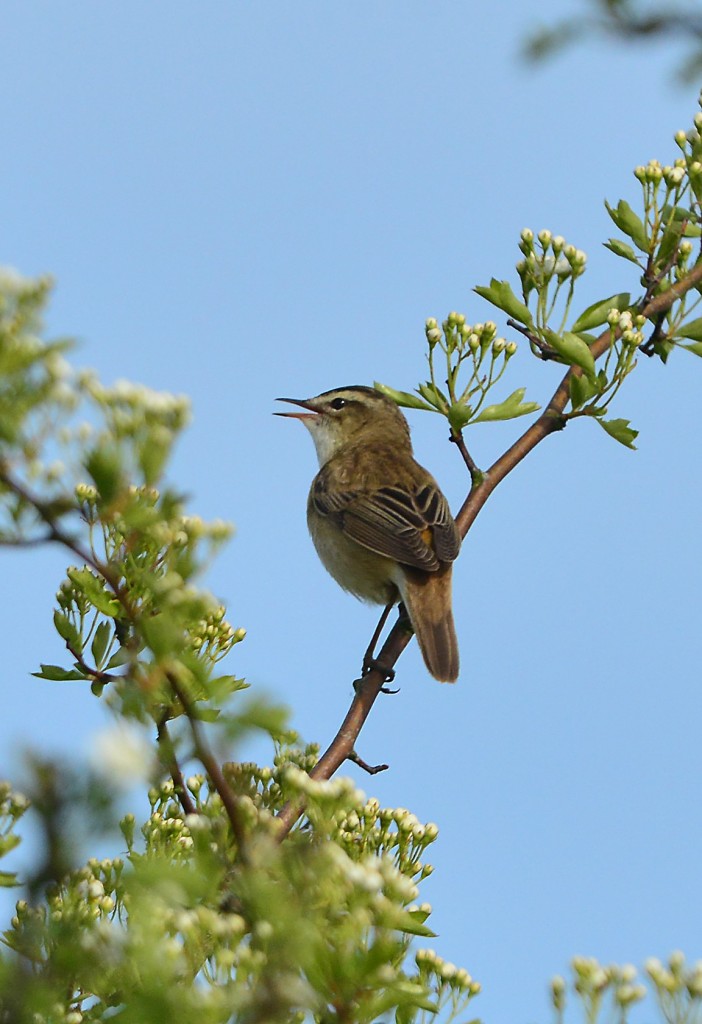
(338, 403)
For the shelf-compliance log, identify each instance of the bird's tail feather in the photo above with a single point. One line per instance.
(427, 598)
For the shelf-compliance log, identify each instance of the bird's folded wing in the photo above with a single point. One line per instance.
(415, 527)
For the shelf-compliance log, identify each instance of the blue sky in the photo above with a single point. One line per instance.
(240, 201)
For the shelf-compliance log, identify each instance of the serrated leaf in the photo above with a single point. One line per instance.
(67, 631)
(620, 248)
(103, 635)
(57, 673)
(403, 398)
(572, 349)
(509, 409)
(459, 415)
(692, 329)
(597, 313)
(500, 294)
(620, 431)
(630, 223)
(94, 590)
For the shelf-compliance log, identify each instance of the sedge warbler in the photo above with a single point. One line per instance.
(378, 520)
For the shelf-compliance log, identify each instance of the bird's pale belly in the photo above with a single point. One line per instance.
(364, 573)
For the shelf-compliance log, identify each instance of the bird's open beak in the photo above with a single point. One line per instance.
(304, 403)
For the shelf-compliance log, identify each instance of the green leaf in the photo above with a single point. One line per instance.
(582, 389)
(572, 349)
(509, 409)
(628, 222)
(695, 348)
(164, 635)
(434, 396)
(692, 329)
(105, 467)
(500, 294)
(597, 313)
(153, 454)
(103, 635)
(120, 657)
(403, 398)
(620, 248)
(95, 591)
(459, 415)
(669, 242)
(620, 431)
(8, 879)
(57, 673)
(9, 842)
(66, 630)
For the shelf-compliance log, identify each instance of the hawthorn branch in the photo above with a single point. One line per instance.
(551, 420)
(169, 757)
(212, 767)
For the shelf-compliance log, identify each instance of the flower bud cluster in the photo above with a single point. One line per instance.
(388, 831)
(12, 804)
(593, 979)
(676, 978)
(628, 325)
(460, 336)
(430, 964)
(672, 175)
(213, 638)
(547, 257)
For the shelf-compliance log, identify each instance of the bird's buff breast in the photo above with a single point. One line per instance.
(363, 573)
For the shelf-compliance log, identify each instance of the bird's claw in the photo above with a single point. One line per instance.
(371, 664)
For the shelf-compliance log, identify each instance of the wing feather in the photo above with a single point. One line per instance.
(411, 524)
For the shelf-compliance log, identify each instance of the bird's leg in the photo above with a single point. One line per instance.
(369, 660)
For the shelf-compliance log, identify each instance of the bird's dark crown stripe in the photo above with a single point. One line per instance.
(359, 388)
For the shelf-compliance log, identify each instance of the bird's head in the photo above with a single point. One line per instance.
(347, 416)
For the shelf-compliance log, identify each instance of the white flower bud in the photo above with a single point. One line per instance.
(527, 235)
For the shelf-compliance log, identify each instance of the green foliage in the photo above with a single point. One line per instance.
(181, 928)
(207, 915)
(549, 272)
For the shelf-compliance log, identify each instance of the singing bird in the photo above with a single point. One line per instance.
(379, 522)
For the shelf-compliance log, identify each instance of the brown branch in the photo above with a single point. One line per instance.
(549, 422)
(476, 474)
(211, 766)
(169, 756)
(551, 419)
(57, 535)
(341, 747)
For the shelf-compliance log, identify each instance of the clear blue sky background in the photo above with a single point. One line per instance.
(244, 200)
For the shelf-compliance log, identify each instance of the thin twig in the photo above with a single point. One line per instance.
(372, 769)
(476, 474)
(169, 755)
(551, 419)
(211, 766)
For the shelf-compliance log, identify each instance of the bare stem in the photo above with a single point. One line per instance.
(169, 755)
